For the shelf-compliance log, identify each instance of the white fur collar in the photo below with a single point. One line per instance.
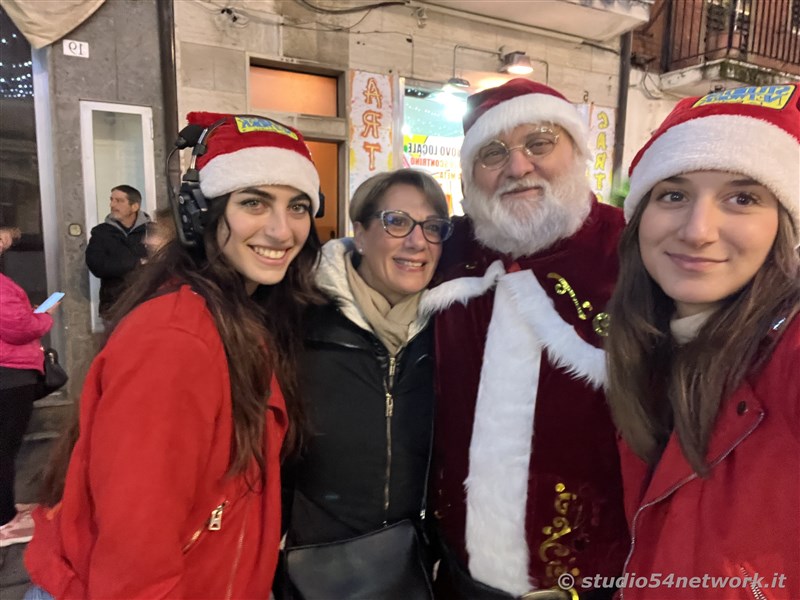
(565, 348)
(524, 324)
(461, 289)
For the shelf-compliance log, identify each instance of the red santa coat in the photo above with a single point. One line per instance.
(526, 481)
(737, 532)
(149, 472)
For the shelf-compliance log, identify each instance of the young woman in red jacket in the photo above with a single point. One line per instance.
(704, 351)
(172, 488)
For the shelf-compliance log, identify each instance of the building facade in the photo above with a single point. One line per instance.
(693, 47)
(372, 87)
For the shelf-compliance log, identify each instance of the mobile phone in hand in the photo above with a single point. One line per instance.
(54, 298)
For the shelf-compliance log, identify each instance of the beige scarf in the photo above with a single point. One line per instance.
(685, 329)
(389, 323)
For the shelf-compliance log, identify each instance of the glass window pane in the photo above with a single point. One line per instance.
(432, 138)
(291, 92)
(118, 155)
(20, 203)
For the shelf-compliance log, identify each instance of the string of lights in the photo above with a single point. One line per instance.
(16, 70)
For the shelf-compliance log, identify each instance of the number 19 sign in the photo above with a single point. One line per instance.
(76, 48)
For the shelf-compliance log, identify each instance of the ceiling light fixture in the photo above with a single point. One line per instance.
(516, 63)
(459, 83)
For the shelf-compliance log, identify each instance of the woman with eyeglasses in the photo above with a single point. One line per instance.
(367, 377)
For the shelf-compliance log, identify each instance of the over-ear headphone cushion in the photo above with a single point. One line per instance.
(192, 212)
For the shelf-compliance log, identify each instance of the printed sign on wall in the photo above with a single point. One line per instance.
(370, 125)
(439, 156)
(601, 121)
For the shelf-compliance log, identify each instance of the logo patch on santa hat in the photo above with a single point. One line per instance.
(251, 124)
(766, 96)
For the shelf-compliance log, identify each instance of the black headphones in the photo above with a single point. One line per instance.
(190, 208)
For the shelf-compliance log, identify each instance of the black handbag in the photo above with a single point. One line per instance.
(390, 563)
(54, 374)
(386, 564)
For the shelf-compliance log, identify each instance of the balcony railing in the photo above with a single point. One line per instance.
(765, 33)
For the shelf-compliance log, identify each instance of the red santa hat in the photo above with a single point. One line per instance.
(497, 110)
(753, 130)
(249, 150)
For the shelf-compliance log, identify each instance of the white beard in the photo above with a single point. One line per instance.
(523, 227)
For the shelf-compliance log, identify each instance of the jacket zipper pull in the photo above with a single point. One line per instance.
(389, 405)
(215, 522)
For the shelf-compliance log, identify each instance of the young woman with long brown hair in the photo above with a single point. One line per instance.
(172, 488)
(704, 351)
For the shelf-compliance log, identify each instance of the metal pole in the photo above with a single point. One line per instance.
(622, 107)
(169, 88)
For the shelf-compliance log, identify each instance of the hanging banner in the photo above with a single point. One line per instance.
(370, 125)
(440, 157)
(601, 121)
(43, 23)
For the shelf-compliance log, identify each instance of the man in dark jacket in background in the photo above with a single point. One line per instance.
(116, 246)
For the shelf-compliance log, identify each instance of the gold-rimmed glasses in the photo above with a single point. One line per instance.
(538, 143)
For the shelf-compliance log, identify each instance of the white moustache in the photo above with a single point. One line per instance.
(524, 183)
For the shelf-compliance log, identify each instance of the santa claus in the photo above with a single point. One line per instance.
(525, 480)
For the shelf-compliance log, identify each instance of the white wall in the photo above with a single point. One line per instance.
(647, 108)
(212, 52)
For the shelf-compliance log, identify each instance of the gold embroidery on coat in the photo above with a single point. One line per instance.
(563, 287)
(601, 323)
(552, 551)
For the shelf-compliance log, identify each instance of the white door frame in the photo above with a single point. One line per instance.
(52, 232)
(89, 187)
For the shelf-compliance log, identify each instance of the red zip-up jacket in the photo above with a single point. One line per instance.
(734, 535)
(148, 511)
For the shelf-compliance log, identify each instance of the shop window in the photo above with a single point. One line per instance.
(275, 91)
(293, 92)
(20, 204)
(432, 137)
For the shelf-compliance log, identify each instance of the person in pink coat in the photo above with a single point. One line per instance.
(21, 365)
(704, 352)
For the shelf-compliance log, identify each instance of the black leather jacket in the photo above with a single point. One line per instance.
(372, 415)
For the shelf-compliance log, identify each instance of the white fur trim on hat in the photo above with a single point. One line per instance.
(730, 143)
(260, 165)
(528, 108)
